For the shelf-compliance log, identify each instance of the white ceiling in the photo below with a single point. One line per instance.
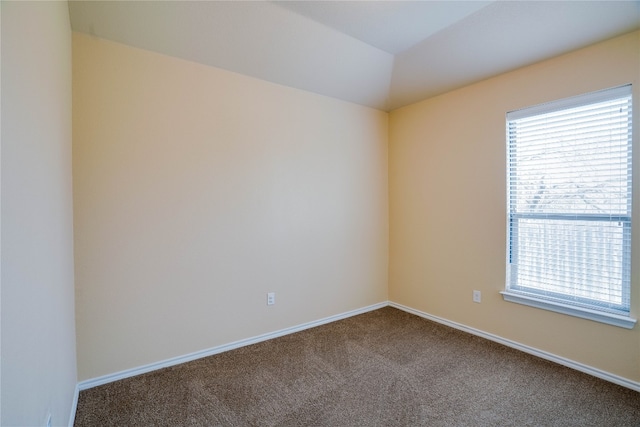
(393, 26)
(382, 54)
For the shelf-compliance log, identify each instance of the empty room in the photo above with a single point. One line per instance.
(336, 213)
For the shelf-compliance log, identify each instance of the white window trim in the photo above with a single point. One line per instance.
(584, 313)
(525, 298)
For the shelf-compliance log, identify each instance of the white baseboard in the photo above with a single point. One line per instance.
(74, 406)
(633, 385)
(94, 382)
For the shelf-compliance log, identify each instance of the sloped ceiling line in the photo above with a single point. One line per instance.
(381, 54)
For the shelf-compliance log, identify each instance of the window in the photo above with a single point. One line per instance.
(569, 206)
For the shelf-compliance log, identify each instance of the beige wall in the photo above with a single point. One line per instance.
(38, 337)
(448, 213)
(198, 190)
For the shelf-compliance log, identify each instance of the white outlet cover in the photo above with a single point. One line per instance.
(477, 296)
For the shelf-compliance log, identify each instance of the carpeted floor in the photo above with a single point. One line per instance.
(382, 368)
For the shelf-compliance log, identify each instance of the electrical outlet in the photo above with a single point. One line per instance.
(271, 298)
(477, 296)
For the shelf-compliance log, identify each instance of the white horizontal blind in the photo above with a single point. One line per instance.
(569, 200)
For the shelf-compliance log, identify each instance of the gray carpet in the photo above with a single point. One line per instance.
(382, 368)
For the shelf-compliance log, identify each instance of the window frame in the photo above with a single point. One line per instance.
(617, 315)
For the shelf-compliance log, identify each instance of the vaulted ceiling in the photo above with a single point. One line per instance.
(382, 54)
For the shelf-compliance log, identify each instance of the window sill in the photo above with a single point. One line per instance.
(597, 316)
